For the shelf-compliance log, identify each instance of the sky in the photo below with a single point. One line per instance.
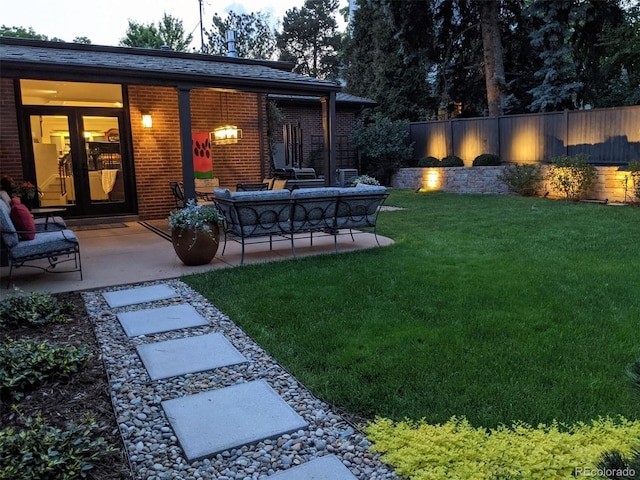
(105, 23)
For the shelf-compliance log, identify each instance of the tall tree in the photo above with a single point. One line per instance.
(376, 67)
(170, 32)
(493, 57)
(254, 36)
(557, 78)
(22, 32)
(310, 38)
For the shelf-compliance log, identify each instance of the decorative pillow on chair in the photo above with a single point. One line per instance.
(22, 220)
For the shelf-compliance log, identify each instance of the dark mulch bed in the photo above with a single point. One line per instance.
(86, 391)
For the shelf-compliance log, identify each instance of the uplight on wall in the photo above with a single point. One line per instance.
(226, 135)
(147, 121)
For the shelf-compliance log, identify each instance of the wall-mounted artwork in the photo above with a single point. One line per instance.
(202, 162)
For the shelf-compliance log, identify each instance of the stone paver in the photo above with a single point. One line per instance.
(163, 319)
(188, 355)
(324, 468)
(217, 420)
(133, 296)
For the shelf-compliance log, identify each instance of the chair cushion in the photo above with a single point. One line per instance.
(9, 235)
(222, 193)
(45, 243)
(22, 220)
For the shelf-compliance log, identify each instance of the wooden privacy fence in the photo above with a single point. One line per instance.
(608, 136)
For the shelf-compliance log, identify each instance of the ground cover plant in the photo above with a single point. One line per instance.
(492, 309)
(56, 417)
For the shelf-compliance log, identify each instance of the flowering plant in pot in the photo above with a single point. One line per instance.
(195, 232)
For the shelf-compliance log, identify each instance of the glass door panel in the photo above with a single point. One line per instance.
(103, 159)
(52, 157)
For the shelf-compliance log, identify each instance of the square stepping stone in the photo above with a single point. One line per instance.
(133, 296)
(188, 355)
(324, 468)
(214, 421)
(163, 319)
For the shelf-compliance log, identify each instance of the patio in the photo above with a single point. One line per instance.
(128, 253)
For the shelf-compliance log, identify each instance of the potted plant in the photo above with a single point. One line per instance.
(195, 232)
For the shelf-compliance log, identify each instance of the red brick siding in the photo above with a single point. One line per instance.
(10, 154)
(157, 152)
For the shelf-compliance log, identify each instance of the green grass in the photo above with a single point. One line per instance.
(493, 308)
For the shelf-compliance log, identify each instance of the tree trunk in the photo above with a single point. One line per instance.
(493, 61)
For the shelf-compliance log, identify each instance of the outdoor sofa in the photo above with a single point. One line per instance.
(51, 241)
(283, 213)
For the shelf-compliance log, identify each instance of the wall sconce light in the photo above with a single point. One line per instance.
(226, 135)
(147, 121)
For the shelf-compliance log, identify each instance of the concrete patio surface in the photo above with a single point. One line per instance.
(130, 253)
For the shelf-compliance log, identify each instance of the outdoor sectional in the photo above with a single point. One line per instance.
(284, 213)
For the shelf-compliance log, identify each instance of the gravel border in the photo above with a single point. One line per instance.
(152, 448)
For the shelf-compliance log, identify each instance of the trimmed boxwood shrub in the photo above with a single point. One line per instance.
(429, 162)
(452, 161)
(486, 160)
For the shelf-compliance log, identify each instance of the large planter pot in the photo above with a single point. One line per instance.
(195, 247)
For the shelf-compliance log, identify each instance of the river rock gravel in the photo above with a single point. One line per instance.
(154, 451)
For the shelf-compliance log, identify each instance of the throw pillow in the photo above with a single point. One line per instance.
(22, 220)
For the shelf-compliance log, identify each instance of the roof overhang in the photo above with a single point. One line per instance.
(34, 59)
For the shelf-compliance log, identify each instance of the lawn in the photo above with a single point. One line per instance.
(494, 308)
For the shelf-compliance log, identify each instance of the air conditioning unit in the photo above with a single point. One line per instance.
(344, 176)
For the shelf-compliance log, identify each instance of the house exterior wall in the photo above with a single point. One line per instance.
(10, 155)
(309, 117)
(158, 153)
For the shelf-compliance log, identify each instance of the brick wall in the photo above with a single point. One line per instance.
(309, 117)
(610, 184)
(157, 151)
(10, 154)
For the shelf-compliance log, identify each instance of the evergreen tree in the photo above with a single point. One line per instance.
(254, 36)
(310, 39)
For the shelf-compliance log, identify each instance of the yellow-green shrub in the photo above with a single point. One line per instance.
(420, 451)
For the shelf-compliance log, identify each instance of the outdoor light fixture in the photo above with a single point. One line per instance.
(147, 121)
(226, 135)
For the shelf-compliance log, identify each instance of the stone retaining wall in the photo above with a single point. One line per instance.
(609, 186)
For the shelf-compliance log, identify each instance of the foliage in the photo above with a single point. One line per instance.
(452, 161)
(194, 217)
(572, 176)
(634, 168)
(34, 309)
(42, 451)
(25, 364)
(428, 162)
(310, 39)
(170, 32)
(615, 466)
(376, 66)
(422, 340)
(633, 372)
(254, 36)
(486, 160)
(382, 142)
(455, 449)
(365, 180)
(522, 179)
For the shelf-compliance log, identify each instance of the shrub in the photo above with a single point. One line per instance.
(486, 160)
(524, 180)
(33, 310)
(634, 167)
(365, 180)
(429, 162)
(42, 451)
(572, 176)
(458, 450)
(616, 467)
(25, 364)
(451, 161)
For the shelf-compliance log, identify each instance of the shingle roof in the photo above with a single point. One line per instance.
(341, 97)
(37, 59)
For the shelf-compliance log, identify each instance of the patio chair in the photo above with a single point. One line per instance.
(178, 193)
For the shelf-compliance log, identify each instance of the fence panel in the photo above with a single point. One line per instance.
(608, 136)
